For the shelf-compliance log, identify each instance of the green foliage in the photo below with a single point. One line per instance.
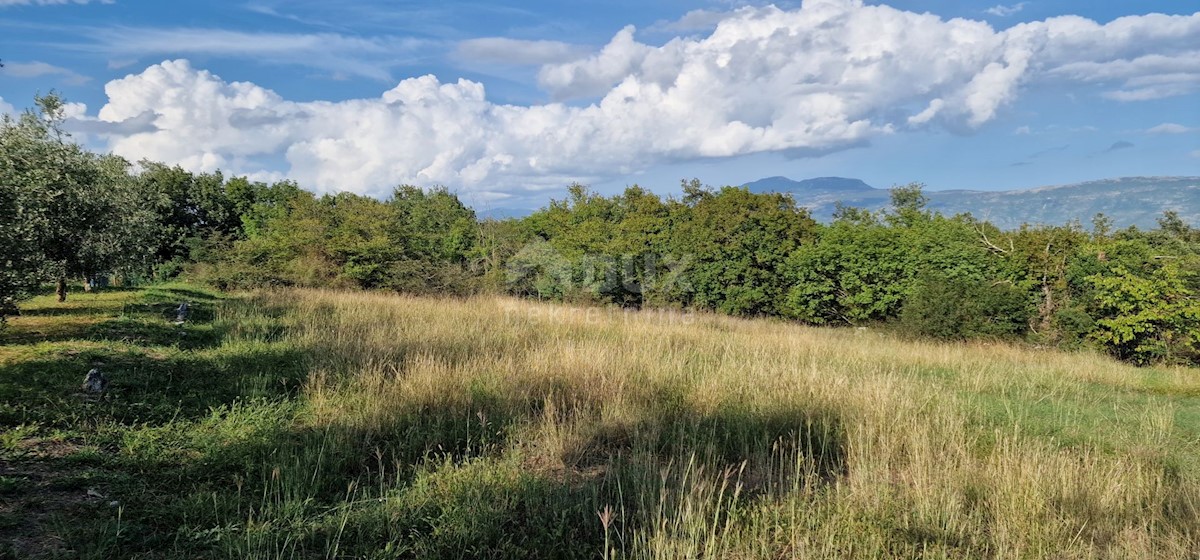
(1072, 325)
(1146, 318)
(738, 243)
(67, 213)
(854, 273)
(498, 242)
(189, 209)
(720, 250)
(863, 267)
(908, 204)
(417, 242)
(955, 308)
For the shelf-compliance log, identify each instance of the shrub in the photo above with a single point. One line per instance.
(1147, 318)
(956, 308)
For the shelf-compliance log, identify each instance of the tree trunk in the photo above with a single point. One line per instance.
(62, 289)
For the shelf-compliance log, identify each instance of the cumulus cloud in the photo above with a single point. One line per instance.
(595, 75)
(37, 69)
(79, 123)
(1165, 64)
(827, 76)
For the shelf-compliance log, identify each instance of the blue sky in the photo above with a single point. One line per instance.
(508, 102)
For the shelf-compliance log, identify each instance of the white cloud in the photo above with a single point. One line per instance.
(830, 75)
(1022, 130)
(1004, 11)
(503, 50)
(1153, 91)
(622, 57)
(6, 108)
(695, 20)
(1169, 128)
(37, 69)
(1166, 64)
(925, 116)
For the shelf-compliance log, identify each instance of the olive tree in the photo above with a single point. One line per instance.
(66, 212)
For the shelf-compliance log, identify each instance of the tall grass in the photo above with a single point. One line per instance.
(501, 428)
(311, 424)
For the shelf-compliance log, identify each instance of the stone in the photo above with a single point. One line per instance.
(95, 382)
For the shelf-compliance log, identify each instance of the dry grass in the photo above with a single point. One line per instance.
(718, 437)
(309, 424)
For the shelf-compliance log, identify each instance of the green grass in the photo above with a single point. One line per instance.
(304, 424)
(159, 433)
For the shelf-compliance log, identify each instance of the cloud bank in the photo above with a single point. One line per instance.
(827, 76)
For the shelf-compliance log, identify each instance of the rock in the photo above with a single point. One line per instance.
(181, 312)
(95, 381)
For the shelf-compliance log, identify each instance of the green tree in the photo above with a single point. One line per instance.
(80, 209)
(1151, 317)
(497, 242)
(736, 244)
(192, 211)
(864, 266)
(22, 219)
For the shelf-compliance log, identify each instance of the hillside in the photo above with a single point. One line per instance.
(305, 424)
(1128, 201)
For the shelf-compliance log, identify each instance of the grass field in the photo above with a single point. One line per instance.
(309, 424)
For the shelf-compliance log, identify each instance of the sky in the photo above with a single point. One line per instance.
(507, 103)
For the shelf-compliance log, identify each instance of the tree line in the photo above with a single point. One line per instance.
(67, 214)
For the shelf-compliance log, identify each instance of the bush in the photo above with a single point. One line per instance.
(955, 309)
(1147, 318)
(1071, 326)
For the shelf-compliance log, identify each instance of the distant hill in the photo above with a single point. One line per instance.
(1128, 200)
(503, 213)
(819, 184)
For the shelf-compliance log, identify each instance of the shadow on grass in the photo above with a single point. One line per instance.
(144, 323)
(443, 481)
(187, 294)
(94, 308)
(143, 387)
(225, 468)
(223, 474)
(161, 370)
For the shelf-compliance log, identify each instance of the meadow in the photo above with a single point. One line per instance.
(322, 424)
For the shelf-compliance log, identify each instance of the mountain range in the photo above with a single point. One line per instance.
(1138, 201)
